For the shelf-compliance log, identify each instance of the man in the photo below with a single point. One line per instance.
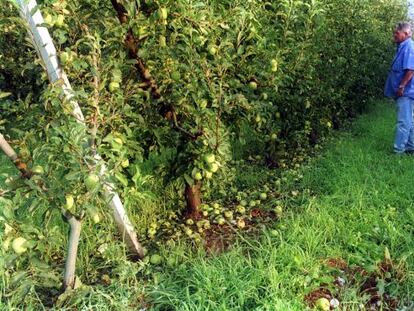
(400, 86)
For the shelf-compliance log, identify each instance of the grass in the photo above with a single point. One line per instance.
(361, 203)
(355, 203)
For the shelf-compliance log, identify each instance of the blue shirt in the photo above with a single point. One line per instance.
(403, 60)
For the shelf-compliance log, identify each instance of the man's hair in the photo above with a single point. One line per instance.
(406, 27)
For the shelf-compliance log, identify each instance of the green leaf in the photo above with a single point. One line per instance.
(122, 179)
(4, 94)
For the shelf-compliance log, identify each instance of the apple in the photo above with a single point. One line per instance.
(197, 176)
(91, 182)
(241, 209)
(125, 163)
(274, 232)
(263, 196)
(163, 13)
(60, 20)
(212, 50)
(113, 86)
(64, 58)
(208, 174)
(323, 304)
(155, 259)
(274, 65)
(278, 210)
(228, 214)
(209, 158)
(188, 231)
(96, 217)
(213, 167)
(253, 85)
(241, 223)
(39, 170)
(162, 41)
(70, 202)
(203, 103)
(189, 222)
(221, 221)
(273, 136)
(48, 19)
(258, 118)
(18, 245)
(171, 262)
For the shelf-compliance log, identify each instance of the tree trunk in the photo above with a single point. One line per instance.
(193, 199)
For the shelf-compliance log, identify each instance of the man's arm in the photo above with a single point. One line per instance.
(407, 77)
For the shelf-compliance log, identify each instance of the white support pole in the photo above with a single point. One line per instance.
(48, 54)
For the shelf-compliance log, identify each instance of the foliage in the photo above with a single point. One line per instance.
(263, 81)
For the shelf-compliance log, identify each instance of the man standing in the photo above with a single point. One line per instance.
(400, 86)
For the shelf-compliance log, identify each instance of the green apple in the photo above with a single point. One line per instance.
(60, 20)
(96, 217)
(38, 169)
(176, 76)
(258, 118)
(155, 259)
(70, 202)
(188, 231)
(221, 221)
(18, 245)
(163, 13)
(64, 57)
(278, 210)
(273, 136)
(125, 163)
(48, 19)
(162, 41)
(202, 103)
(213, 167)
(241, 209)
(91, 182)
(253, 85)
(209, 158)
(113, 86)
(274, 65)
(189, 222)
(228, 214)
(263, 196)
(323, 304)
(212, 50)
(208, 175)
